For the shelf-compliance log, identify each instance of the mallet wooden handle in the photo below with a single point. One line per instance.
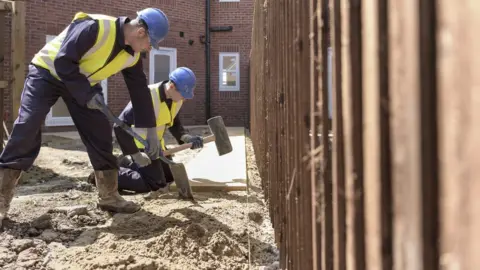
(184, 146)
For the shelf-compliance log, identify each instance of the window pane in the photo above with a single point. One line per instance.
(162, 68)
(229, 78)
(229, 63)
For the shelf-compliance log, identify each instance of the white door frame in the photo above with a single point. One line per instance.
(51, 121)
(172, 52)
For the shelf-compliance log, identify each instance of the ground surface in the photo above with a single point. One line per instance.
(53, 222)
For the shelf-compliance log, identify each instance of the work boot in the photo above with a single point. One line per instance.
(8, 182)
(108, 197)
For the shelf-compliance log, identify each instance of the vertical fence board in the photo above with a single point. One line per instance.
(356, 91)
(397, 189)
(18, 51)
(371, 129)
(405, 125)
(317, 214)
(352, 98)
(459, 133)
(378, 193)
(3, 51)
(338, 154)
(287, 78)
(326, 163)
(294, 138)
(348, 122)
(428, 125)
(303, 145)
(385, 137)
(284, 124)
(316, 120)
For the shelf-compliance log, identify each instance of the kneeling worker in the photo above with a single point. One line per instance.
(137, 172)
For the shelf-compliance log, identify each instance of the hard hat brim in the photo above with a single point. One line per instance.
(154, 43)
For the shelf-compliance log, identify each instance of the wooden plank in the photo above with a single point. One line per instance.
(459, 144)
(348, 122)
(429, 133)
(338, 154)
(18, 54)
(352, 99)
(405, 130)
(378, 192)
(385, 135)
(371, 129)
(327, 224)
(315, 102)
(307, 202)
(3, 84)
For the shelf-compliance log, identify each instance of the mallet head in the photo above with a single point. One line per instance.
(222, 140)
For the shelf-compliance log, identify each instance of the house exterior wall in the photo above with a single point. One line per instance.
(232, 105)
(187, 16)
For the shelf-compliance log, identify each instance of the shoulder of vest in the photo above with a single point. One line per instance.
(154, 86)
(102, 17)
(82, 15)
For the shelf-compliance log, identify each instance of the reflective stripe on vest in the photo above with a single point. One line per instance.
(92, 62)
(164, 116)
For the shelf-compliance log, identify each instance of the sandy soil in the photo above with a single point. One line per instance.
(53, 222)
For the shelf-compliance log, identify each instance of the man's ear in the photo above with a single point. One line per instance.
(141, 32)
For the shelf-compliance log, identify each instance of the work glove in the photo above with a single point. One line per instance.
(96, 102)
(141, 159)
(153, 149)
(197, 141)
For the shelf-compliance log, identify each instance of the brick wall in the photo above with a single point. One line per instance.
(49, 17)
(232, 105)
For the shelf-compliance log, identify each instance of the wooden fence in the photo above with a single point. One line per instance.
(12, 51)
(395, 187)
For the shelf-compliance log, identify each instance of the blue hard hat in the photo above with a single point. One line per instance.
(157, 23)
(184, 80)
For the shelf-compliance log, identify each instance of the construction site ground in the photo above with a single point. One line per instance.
(53, 222)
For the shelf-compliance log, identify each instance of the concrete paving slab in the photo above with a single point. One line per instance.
(208, 171)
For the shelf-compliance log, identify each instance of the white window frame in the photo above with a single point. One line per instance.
(51, 121)
(172, 52)
(220, 72)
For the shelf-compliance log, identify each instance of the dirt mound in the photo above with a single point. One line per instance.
(54, 225)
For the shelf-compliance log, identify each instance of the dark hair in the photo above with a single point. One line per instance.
(143, 24)
(139, 23)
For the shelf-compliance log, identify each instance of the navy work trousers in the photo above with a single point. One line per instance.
(131, 177)
(145, 179)
(40, 92)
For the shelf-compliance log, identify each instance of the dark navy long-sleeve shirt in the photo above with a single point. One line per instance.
(81, 36)
(126, 142)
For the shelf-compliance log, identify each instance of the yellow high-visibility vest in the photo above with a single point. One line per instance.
(92, 63)
(164, 116)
